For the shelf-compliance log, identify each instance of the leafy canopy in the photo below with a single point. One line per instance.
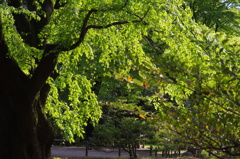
(106, 34)
(159, 45)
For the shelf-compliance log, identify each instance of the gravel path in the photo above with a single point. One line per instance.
(73, 152)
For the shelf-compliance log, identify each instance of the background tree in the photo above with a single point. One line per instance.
(217, 14)
(123, 133)
(198, 81)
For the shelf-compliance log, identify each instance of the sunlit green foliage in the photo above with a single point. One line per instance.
(107, 35)
(166, 47)
(200, 75)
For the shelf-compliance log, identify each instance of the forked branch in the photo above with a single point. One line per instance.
(86, 27)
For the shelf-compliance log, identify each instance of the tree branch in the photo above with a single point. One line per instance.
(29, 28)
(208, 142)
(46, 88)
(45, 69)
(118, 23)
(86, 27)
(59, 4)
(155, 46)
(83, 30)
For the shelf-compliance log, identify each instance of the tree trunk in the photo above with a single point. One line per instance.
(25, 131)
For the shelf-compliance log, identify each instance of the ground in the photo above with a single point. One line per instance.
(73, 152)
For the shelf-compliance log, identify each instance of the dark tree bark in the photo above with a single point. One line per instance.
(25, 131)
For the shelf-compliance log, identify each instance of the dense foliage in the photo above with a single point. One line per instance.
(196, 77)
(188, 60)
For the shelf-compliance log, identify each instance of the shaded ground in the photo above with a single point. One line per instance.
(72, 152)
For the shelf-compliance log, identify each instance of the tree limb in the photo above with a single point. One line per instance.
(45, 69)
(59, 4)
(86, 27)
(83, 30)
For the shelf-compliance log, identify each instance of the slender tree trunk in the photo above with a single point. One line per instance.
(134, 147)
(130, 151)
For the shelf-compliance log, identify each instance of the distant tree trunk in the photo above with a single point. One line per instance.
(150, 150)
(156, 151)
(130, 151)
(119, 151)
(134, 147)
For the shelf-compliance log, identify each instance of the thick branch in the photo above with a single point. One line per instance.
(45, 90)
(83, 30)
(29, 28)
(45, 69)
(47, 7)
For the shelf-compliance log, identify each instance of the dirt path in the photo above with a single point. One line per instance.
(71, 152)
